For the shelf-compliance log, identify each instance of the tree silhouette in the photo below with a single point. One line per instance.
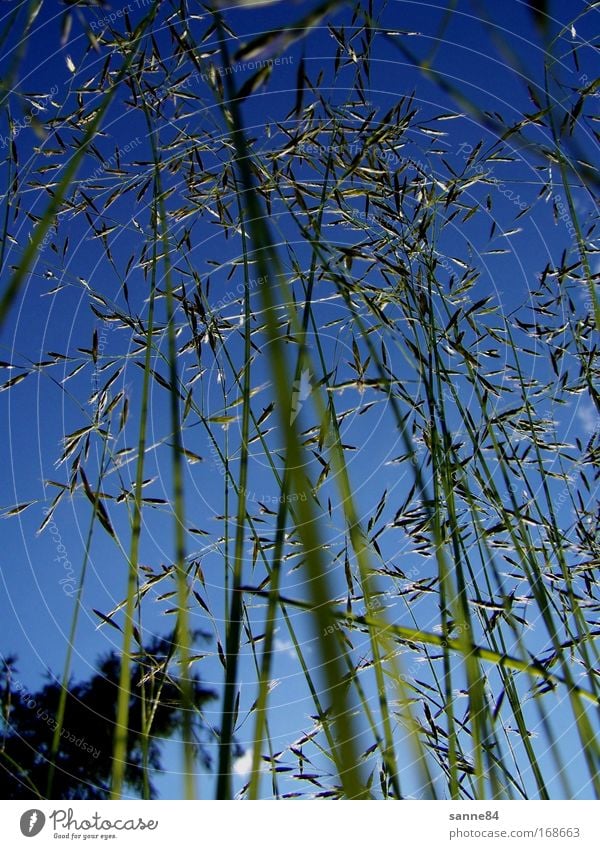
(84, 759)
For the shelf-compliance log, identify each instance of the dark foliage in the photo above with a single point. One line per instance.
(84, 759)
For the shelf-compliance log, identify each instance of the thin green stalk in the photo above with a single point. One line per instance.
(64, 689)
(122, 720)
(232, 645)
(183, 630)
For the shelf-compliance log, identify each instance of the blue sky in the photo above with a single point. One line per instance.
(37, 414)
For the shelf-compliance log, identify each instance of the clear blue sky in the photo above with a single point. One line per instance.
(37, 414)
